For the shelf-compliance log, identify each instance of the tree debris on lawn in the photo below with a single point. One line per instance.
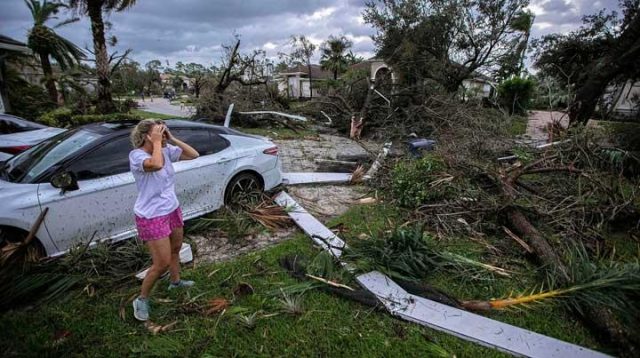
(155, 328)
(407, 255)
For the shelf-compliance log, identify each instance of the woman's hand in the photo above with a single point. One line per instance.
(156, 134)
(170, 136)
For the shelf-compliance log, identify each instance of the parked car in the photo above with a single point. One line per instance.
(18, 134)
(83, 177)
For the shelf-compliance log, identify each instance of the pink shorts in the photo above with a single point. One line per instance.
(159, 227)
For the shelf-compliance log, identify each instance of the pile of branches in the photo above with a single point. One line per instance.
(105, 267)
(543, 202)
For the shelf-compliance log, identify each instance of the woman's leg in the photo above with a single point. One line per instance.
(176, 243)
(161, 260)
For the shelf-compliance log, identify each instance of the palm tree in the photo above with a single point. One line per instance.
(94, 9)
(45, 42)
(333, 57)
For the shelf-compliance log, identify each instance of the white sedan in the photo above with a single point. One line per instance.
(82, 176)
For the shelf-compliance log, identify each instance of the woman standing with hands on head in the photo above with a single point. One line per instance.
(157, 210)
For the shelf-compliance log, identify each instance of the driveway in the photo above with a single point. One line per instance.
(323, 201)
(538, 122)
(164, 106)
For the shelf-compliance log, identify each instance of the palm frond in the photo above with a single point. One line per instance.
(607, 283)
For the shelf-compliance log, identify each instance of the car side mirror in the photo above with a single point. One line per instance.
(65, 181)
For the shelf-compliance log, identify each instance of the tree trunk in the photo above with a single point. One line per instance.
(49, 83)
(310, 79)
(600, 319)
(105, 102)
(603, 70)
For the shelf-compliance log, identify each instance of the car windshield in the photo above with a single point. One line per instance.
(26, 166)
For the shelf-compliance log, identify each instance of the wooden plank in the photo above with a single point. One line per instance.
(319, 233)
(467, 325)
(315, 178)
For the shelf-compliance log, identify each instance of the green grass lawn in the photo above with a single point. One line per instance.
(329, 325)
(518, 125)
(145, 114)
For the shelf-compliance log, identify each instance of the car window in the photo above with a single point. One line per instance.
(34, 161)
(201, 140)
(109, 159)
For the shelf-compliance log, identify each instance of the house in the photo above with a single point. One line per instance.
(294, 81)
(477, 87)
(8, 47)
(623, 100)
(377, 69)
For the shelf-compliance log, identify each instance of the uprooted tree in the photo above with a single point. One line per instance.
(603, 51)
(447, 41)
(246, 70)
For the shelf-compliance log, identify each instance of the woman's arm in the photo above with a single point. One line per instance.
(188, 152)
(156, 162)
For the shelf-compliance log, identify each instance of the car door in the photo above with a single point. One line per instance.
(102, 206)
(199, 182)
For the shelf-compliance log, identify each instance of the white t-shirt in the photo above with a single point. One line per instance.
(156, 190)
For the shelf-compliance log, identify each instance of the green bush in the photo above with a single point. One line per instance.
(516, 94)
(81, 119)
(65, 118)
(59, 117)
(26, 100)
(412, 181)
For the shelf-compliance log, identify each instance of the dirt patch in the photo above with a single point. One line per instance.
(215, 246)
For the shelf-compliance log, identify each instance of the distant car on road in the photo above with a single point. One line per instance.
(18, 134)
(83, 177)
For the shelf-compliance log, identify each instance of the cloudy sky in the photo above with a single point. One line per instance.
(192, 30)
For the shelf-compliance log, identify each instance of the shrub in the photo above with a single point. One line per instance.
(516, 94)
(81, 119)
(26, 100)
(59, 117)
(415, 182)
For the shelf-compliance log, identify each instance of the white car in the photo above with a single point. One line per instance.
(83, 177)
(18, 134)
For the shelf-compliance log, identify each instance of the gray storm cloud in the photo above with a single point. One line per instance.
(193, 30)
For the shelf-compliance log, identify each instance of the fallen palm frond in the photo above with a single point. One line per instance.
(412, 255)
(104, 266)
(155, 328)
(270, 215)
(358, 175)
(613, 285)
(217, 305)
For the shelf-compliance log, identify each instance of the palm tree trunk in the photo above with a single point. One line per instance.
(49, 83)
(310, 79)
(105, 102)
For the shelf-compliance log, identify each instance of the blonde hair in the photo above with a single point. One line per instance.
(140, 131)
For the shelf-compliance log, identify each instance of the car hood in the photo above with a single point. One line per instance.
(28, 138)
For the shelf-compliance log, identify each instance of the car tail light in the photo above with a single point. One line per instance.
(271, 151)
(15, 150)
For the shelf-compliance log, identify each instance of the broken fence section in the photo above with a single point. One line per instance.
(467, 325)
(315, 178)
(460, 323)
(319, 233)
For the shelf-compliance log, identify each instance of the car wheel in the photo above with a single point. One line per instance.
(13, 251)
(243, 189)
